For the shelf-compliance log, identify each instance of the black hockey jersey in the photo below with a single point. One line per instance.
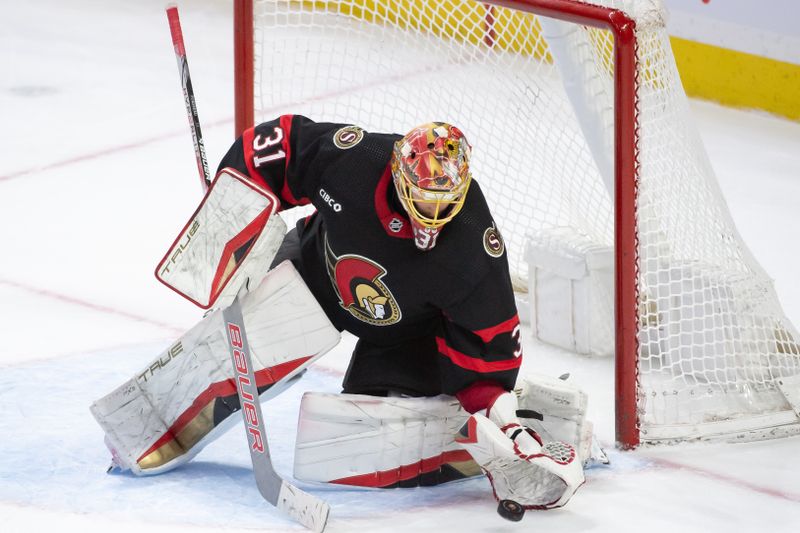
(360, 262)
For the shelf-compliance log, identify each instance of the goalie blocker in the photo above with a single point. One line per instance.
(183, 399)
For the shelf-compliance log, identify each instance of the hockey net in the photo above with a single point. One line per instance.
(702, 342)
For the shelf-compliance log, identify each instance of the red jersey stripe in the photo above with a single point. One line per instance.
(247, 149)
(508, 326)
(388, 217)
(473, 363)
(286, 192)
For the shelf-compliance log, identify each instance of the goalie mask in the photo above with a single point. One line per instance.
(430, 169)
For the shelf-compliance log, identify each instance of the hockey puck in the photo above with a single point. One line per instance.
(510, 510)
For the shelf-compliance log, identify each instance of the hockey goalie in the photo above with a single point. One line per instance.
(403, 253)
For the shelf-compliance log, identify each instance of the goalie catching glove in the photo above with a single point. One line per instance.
(520, 466)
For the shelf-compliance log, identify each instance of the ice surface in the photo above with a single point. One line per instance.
(97, 175)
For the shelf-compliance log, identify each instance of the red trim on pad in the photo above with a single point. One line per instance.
(251, 231)
(386, 478)
(221, 389)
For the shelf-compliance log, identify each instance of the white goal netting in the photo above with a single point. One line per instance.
(535, 97)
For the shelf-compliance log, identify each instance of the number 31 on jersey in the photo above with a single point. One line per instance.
(267, 149)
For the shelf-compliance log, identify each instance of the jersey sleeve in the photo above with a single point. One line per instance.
(284, 155)
(479, 341)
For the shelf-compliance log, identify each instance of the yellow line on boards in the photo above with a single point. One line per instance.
(738, 79)
(729, 77)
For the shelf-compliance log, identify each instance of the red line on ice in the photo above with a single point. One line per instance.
(95, 307)
(728, 479)
(100, 153)
(144, 142)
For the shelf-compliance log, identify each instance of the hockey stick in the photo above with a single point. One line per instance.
(306, 509)
(188, 95)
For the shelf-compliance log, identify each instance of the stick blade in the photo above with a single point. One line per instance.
(306, 509)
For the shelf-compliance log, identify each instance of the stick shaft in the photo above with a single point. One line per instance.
(188, 95)
(308, 510)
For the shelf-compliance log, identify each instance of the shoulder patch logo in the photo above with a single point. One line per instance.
(493, 242)
(348, 137)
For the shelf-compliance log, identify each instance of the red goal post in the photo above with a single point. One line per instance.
(655, 328)
(625, 169)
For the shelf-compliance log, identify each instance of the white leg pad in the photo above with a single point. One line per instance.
(166, 413)
(556, 410)
(369, 441)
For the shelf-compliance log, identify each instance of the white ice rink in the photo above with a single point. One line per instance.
(97, 175)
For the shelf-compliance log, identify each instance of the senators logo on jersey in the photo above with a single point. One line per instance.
(348, 137)
(357, 281)
(493, 242)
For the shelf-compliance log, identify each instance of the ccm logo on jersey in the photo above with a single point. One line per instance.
(336, 206)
